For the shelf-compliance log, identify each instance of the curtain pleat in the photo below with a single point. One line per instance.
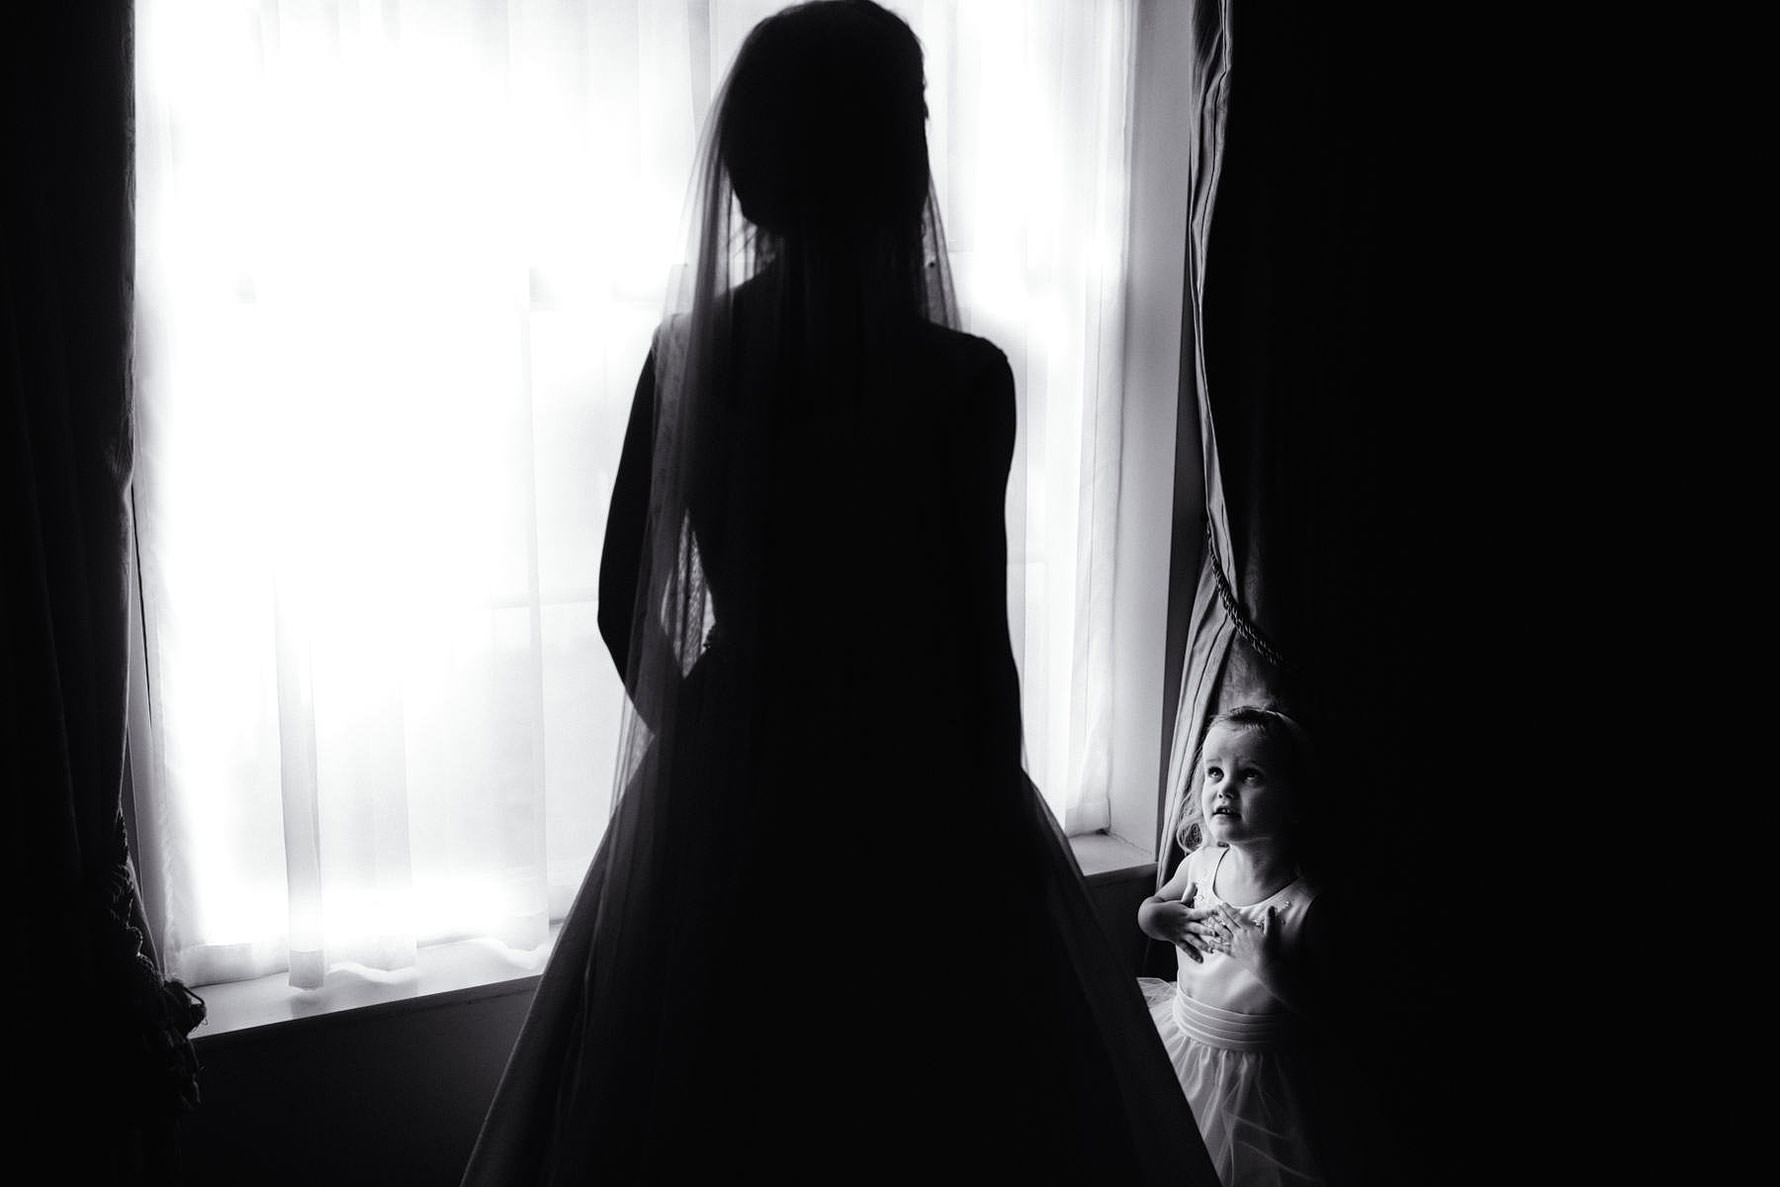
(104, 1064)
(1317, 414)
(1207, 679)
(1304, 445)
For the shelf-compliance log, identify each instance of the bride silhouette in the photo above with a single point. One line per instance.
(769, 972)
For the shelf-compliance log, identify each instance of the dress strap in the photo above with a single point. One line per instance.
(1196, 862)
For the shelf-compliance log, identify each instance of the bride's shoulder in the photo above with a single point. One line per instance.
(959, 345)
(967, 359)
(970, 388)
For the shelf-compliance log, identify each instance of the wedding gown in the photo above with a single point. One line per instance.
(833, 933)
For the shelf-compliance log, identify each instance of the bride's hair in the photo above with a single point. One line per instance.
(820, 138)
(823, 128)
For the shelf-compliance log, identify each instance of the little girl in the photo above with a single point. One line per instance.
(1239, 910)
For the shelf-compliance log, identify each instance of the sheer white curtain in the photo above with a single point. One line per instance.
(398, 265)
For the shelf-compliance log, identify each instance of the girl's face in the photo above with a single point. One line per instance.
(1244, 792)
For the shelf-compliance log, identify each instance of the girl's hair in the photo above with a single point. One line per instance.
(1286, 740)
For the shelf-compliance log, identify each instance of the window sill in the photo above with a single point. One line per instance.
(439, 969)
(472, 965)
(1107, 858)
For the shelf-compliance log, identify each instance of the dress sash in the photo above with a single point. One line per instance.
(1228, 1029)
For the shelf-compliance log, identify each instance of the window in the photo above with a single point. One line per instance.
(398, 266)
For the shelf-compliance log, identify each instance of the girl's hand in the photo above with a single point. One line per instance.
(1247, 942)
(1187, 927)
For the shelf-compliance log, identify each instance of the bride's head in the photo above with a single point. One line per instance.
(823, 124)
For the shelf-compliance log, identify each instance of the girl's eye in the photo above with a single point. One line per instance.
(1213, 774)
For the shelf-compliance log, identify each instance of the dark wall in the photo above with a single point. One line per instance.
(386, 1094)
(1116, 895)
(394, 1093)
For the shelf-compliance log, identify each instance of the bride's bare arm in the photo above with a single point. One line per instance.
(621, 558)
(985, 463)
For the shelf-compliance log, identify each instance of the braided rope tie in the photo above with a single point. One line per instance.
(1238, 619)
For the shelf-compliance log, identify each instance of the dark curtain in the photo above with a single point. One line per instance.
(1322, 431)
(105, 1064)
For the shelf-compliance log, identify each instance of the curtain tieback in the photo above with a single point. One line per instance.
(1233, 608)
(161, 1013)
